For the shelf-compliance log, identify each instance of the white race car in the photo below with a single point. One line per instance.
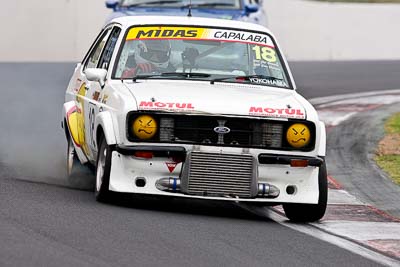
(195, 108)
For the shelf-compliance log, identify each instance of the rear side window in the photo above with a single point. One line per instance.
(105, 59)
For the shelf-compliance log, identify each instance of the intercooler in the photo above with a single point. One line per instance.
(215, 174)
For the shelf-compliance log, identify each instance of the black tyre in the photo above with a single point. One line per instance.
(103, 168)
(310, 212)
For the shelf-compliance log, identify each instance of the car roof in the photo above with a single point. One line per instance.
(128, 21)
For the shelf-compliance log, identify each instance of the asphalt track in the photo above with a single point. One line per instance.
(44, 221)
(316, 79)
(353, 144)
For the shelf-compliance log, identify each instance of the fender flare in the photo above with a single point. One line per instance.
(104, 123)
(68, 108)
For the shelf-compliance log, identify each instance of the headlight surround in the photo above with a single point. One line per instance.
(298, 135)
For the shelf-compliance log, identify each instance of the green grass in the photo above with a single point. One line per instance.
(362, 1)
(391, 163)
(392, 125)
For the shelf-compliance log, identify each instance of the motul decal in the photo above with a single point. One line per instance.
(277, 112)
(171, 166)
(148, 105)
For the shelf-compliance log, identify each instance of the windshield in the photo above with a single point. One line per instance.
(219, 4)
(213, 54)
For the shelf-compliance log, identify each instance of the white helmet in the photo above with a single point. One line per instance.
(156, 52)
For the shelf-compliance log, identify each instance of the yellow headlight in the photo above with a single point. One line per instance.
(144, 127)
(298, 135)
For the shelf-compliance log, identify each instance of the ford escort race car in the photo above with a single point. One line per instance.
(195, 108)
(243, 10)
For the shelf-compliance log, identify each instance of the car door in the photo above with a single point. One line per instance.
(82, 86)
(94, 91)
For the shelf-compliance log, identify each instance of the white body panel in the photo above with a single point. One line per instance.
(220, 98)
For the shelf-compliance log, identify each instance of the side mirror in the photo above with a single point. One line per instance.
(112, 3)
(96, 75)
(251, 8)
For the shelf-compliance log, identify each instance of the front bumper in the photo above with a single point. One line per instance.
(295, 184)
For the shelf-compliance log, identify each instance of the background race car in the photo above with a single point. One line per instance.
(243, 10)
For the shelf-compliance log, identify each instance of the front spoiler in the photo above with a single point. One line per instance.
(273, 169)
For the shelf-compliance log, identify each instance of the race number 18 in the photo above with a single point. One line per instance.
(265, 53)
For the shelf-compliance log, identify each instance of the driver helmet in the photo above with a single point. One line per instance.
(156, 52)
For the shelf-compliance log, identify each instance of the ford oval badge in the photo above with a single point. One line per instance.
(222, 130)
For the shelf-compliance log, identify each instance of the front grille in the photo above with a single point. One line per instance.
(197, 129)
(213, 174)
(243, 132)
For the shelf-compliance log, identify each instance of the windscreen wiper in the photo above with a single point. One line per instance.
(245, 77)
(207, 5)
(144, 76)
(172, 74)
(186, 74)
(159, 2)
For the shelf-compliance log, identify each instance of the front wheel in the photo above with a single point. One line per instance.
(310, 212)
(103, 169)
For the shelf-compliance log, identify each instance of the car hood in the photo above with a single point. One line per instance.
(209, 13)
(217, 99)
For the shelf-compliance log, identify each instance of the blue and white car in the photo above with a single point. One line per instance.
(242, 10)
